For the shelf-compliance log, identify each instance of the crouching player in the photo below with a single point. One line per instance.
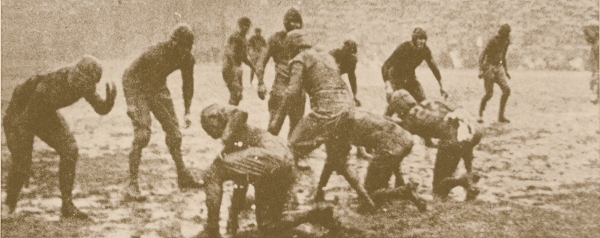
(254, 156)
(457, 137)
(334, 122)
(33, 111)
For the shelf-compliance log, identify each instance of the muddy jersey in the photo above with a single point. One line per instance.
(280, 58)
(47, 93)
(406, 58)
(428, 120)
(271, 153)
(495, 51)
(257, 42)
(151, 69)
(237, 48)
(321, 80)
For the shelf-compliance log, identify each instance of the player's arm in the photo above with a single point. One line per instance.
(436, 72)
(392, 61)
(483, 59)
(102, 106)
(504, 64)
(351, 68)
(242, 52)
(187, 76)
(269, 53)
(213, 182)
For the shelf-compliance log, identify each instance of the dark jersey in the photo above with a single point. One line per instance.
(346, 62)
(158, 62)
(46, 93)
(406, 58)
(277, 48)
(495, 51)
(237, 48)
(257, 42)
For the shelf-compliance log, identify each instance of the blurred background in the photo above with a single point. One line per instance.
(547, 34)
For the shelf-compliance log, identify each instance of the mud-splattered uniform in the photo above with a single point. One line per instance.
(276, 50)
(146, 91)
(334, 122)
(256, 51)
(235, 54)
(458, 136)
(33, 111)
(254, 156)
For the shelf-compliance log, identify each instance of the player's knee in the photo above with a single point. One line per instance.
(141, 139)
(488, 94)
(68, 152)
(173, 138)
(506, 91)
(374, 183)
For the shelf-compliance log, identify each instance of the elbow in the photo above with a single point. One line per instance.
(102, 111)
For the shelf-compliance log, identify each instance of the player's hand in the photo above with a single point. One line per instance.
(262, 91)
(507, 75)
(444, 94)
(187, 121)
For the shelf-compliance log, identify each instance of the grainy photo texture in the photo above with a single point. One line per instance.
(300, 118)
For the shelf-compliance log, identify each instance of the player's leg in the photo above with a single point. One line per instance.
(56, 133)
(20, 145)
(276, 114)
(339, 151)
(161, 106)
(310, 133)
(271, 200)
(501, 81)
(328, 169)
(296, 112)
(138, 111)
(213, 179)
(446, 163)
(488, 85)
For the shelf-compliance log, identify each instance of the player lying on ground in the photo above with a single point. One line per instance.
(236, 54)
(458, 136)
(254, 156)
(33, 111)
(145, 88)
(334, 122)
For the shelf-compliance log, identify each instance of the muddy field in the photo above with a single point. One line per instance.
(541, 172)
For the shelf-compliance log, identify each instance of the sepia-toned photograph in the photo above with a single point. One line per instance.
(300, 118)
